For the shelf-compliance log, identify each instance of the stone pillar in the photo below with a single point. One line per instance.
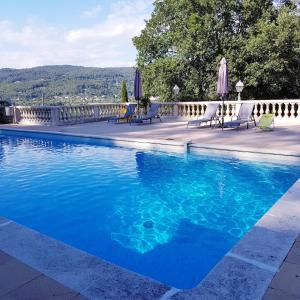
(55, 115)
(16, 115)
(96, 112)
(175, 110)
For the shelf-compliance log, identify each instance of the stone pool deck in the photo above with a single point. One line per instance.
(286, 283)
(20, 281)
(283, 140)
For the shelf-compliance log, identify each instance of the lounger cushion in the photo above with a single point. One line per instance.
(232, 124)
(137, 120)
(198, 121)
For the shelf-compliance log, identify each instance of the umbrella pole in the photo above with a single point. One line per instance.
(223, 112)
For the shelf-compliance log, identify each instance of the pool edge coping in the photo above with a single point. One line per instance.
(207, 285)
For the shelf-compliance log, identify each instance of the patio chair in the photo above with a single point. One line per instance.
(266, 122)
(244, 116)
(209, 115)
(127, 116)
(152, 114)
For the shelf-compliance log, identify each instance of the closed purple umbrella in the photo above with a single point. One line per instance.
(137, 88)
(222, 87)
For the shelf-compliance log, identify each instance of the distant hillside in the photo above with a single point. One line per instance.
(64, 83)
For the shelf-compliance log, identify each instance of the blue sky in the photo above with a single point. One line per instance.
(88, 33)
(63, 12)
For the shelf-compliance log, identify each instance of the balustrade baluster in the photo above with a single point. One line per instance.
(296, 108)
(290, 110)
(233, 112)
(280, 109)
(270, 108)
(293, 112)
(193, 112)
(198, 110)
(201, 110)
(230, 110)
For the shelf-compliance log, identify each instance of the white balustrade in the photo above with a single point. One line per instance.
(283, 109)
(168, 109)
(63, 115)
(27, 115)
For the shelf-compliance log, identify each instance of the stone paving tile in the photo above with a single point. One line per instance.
(286, 283)
(4, 257)
(268, 242)
(117, 283)
(272, 294)
(200, 293)
(293, 194)
(19, 281)
(287, 280)
(79, 297)
(294, 255)
(13, 274)
(144, 292)
(41, 287)
(231, 279)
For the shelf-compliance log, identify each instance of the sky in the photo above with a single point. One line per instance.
(92, 33)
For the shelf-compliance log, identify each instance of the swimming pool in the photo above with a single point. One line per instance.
(168, 216)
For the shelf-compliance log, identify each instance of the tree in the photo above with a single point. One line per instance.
(184, 41)
(272, 57)
(124, 94)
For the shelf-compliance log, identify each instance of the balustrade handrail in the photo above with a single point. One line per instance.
(38, 107)
(233, 101)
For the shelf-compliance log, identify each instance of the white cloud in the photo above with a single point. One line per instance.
(93, 12)
(127, 18)
(103, 44)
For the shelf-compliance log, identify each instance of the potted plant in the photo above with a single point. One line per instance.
(145, 103)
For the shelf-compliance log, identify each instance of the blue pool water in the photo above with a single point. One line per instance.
(167, 216)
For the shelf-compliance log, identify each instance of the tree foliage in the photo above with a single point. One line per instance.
(124, 93)
(184, 41)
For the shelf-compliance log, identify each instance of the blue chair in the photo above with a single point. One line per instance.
(127, 116)
(210, 114)
(152, 114)
(244, 116)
